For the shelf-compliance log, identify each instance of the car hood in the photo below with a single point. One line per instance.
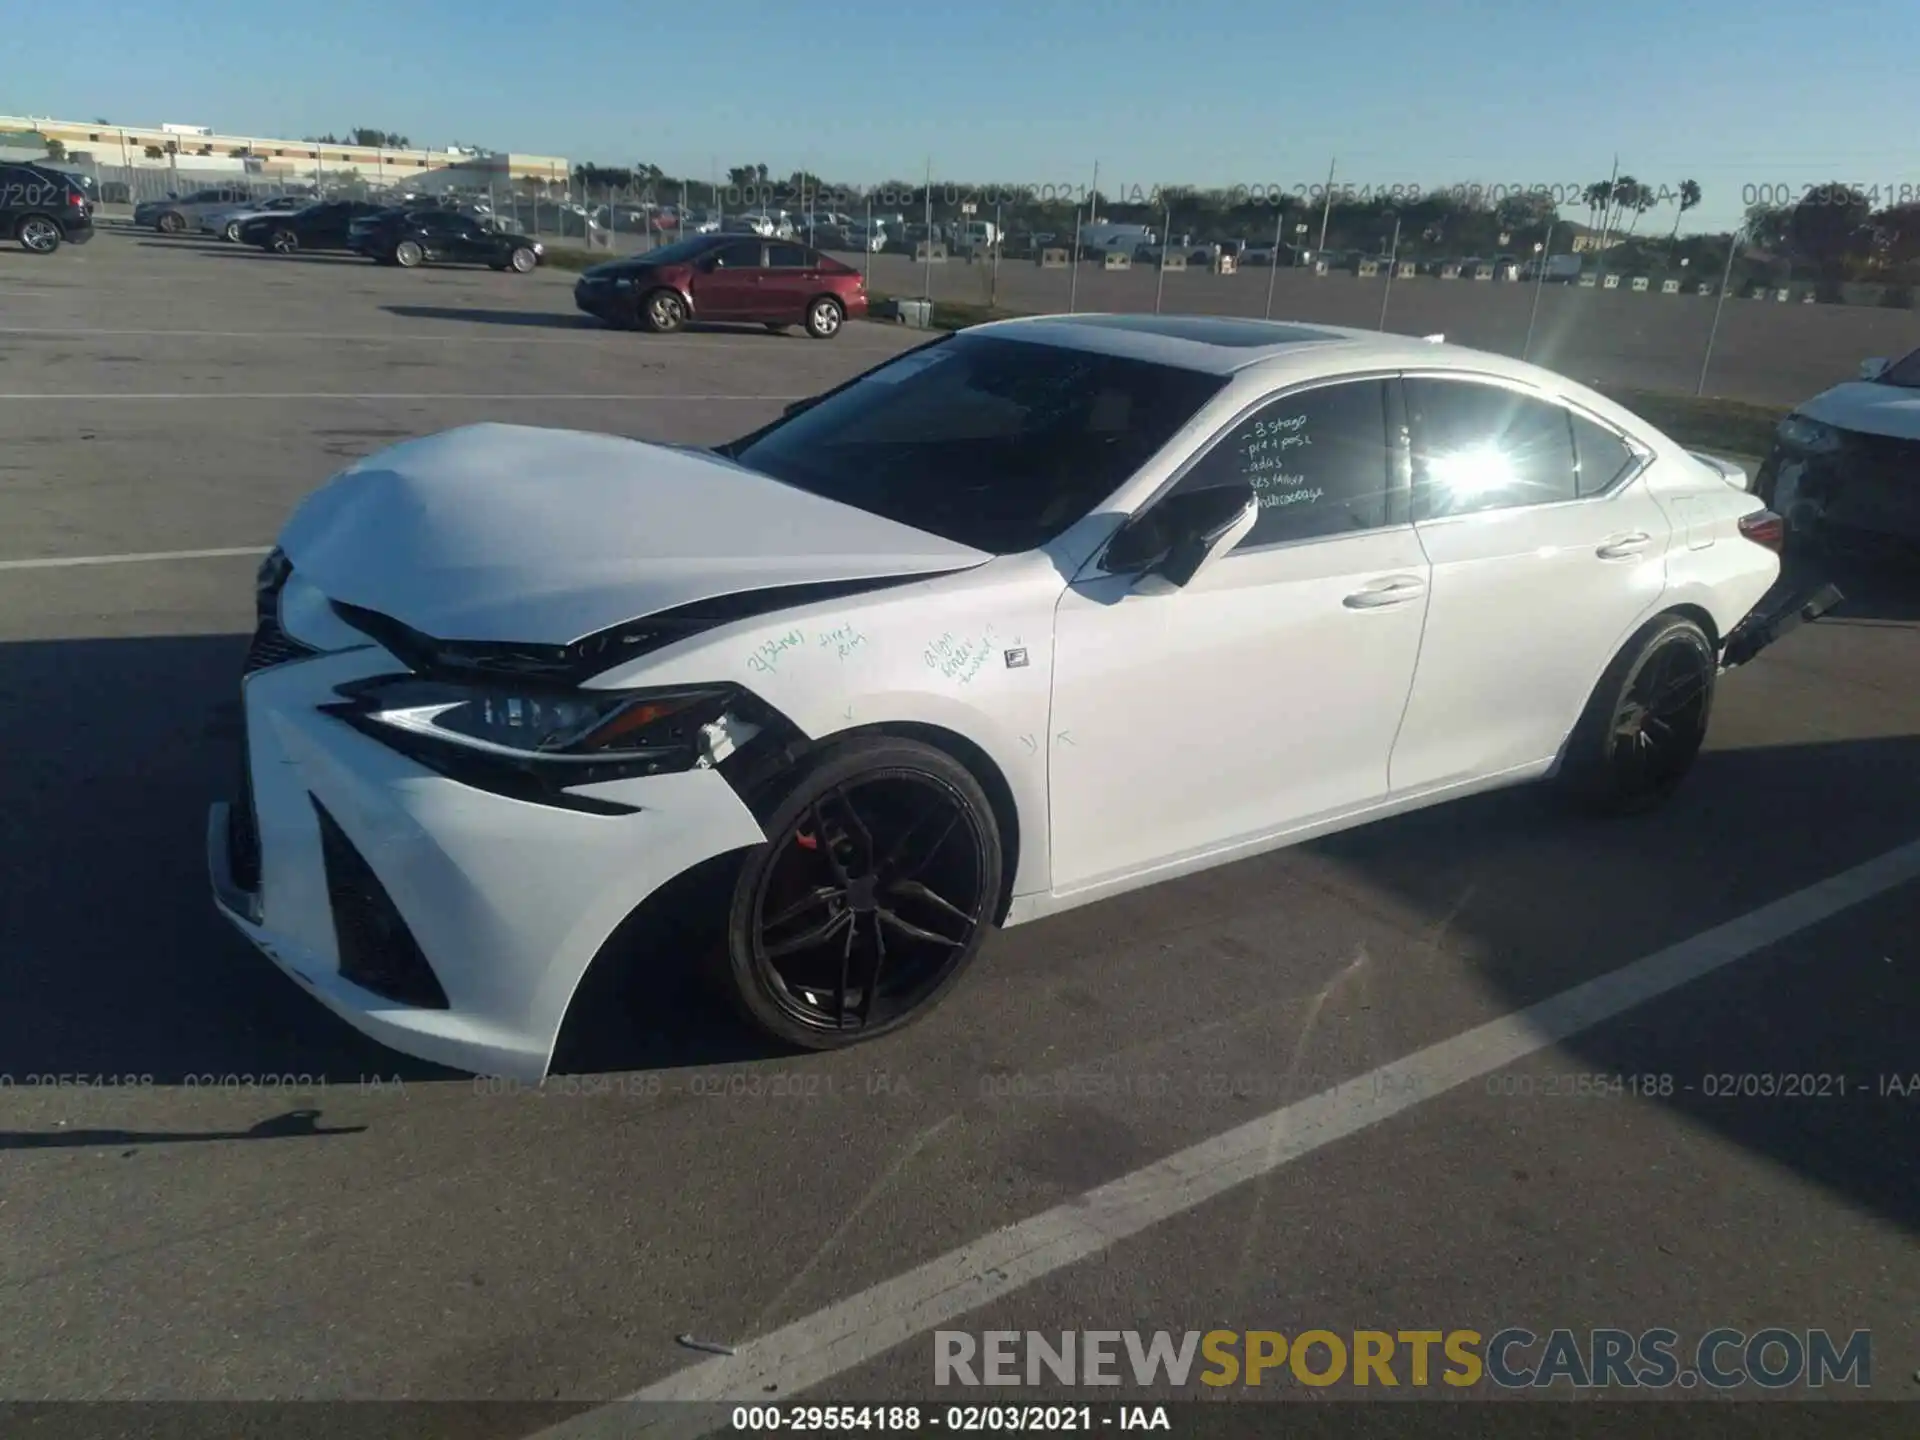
(515, 533)
(614, 269)
(1869, 407)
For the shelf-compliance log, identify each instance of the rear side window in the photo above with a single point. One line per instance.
(1602, 456)
(788, 257)
(1317, 461)
(1479, 447)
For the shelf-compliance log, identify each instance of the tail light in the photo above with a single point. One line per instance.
(77, 200)
(1763, 527)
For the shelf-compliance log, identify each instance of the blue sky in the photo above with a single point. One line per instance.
(1734, 95)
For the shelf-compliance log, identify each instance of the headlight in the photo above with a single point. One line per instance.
(630, 730)
(1809, 435)
(268, 581)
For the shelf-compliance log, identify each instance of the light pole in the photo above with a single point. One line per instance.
(1540, 252)
(1073, 269)
(1166, 240)
(1719, 304)
(1299, 240)
(1393, 262)
(1273, 261)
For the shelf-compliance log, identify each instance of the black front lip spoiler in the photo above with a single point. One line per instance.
(1762, 627)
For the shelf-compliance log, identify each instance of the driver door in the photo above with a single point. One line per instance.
(726, 286)
(1265, 695)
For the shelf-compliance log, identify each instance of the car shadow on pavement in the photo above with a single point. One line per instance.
(289, 1125)
(116, 963)
(539, 319)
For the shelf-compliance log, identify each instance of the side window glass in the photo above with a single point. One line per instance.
(1481, 447)
(739, 257)
(788, 257)
(1318, 461)
(1602, 456)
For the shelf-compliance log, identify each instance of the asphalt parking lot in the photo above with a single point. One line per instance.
(278, 1209)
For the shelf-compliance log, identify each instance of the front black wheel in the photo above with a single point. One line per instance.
(1646, 721)
(872, 893)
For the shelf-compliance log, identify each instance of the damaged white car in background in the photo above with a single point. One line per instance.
(1034, 615)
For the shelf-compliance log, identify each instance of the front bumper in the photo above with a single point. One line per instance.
(507, 901)
(603, 302)
(1868, 487)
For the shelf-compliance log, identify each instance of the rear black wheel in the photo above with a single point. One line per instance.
(1646, 721)
(872, 894)
(283, 242)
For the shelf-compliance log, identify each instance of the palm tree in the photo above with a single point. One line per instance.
(1597, 197)
(1689, 197)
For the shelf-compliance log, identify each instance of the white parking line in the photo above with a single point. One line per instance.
(831, 1341)
(378, 395)
(583, 335)
(62, 562)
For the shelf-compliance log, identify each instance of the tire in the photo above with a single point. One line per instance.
(1645, 722)
(171, 223)
(408, 255)
(523, 261)
(872, 809)
(825, 316)
(283, 242)
(38, 234)
(232, 232)
(662, 312)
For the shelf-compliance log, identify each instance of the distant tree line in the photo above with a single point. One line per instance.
(365, 135)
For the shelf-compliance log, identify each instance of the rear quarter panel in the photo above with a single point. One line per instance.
(971, 654)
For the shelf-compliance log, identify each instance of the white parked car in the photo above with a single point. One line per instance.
(226, 223)
(1040, 613)
(1845, 465)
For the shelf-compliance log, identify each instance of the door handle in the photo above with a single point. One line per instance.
(1387, 592)
(1624, 547)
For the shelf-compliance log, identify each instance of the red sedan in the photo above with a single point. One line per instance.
(728, 278)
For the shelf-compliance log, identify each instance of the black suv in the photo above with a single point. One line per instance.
(41, 207)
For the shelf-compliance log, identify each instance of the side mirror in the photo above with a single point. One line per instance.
(797, 406)
(1874, 369)
(1183, 534)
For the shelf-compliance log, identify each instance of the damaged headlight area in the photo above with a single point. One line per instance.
(1808, 436)
(539, 744)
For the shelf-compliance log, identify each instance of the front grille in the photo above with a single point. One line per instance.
(1882, 458)
(377, 950)
(273, 646)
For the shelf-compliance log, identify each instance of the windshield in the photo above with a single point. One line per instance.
(1903, 372)
(679, 252)
(996, 444)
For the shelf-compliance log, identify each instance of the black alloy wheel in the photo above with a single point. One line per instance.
(1647, 720)
(875, 889)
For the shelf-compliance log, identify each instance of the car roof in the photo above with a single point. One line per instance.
(1224, 345)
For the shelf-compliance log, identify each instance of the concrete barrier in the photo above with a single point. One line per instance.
(1586, 282)
(1783, 295)
(924, 252)
(1224, 265)
(1640, 284)
(1610, 282)
(1116, 260)
(1173, 262)
(1053, 259)
(1367, 269)
(1669, 287)
(1319, 267)
(1406, 270)
(1483, 272)
(1449, 272)
(1705, 287)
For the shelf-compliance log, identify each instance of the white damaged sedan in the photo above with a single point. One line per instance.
(1036, 614)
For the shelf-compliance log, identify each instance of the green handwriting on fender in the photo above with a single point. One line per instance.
(959, 660)
(766, 659)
